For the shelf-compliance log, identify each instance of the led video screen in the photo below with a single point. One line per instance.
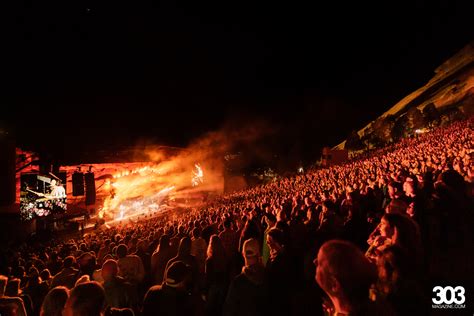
(42, 195)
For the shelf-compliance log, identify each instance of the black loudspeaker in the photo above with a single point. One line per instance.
(77, 184)
(90, 188)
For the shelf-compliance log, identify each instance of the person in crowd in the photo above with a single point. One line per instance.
(450, 232)
(270, 221)
(217, 276)
(10, 305)
(54, 263)
(160, 258)
(13, 290)
(142, 252)
(174, 297)
(330, 222)
(86, 299)
(118, 292)
(251, 229)
(380, 239)
(397, 229)
(229, 238)
(184, 255)
(211, 228)
(247, 295)
(281, 274)
(36, 289)
(45, 276)
(130, 266)
(83, 279)
(347, 287)
(199, 249)
(55, 301)
(398, 202)
(87, 263)
(399, 284)
(68, 275)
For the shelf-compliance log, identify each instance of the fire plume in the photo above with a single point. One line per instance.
(153, 187)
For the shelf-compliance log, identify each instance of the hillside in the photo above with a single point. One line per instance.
(452, 83)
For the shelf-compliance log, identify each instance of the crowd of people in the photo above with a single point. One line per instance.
(368, 237)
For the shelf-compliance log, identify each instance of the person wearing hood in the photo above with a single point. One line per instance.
(247, 293)
(174, 297)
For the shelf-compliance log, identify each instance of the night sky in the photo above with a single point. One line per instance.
(82, 75)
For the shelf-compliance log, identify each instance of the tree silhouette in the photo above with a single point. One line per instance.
(415, 119)
(399, 128)
(468, 105)
(431, 114)
(382, 129)
(353, 142)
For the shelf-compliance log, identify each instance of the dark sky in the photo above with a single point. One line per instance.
(81, 75)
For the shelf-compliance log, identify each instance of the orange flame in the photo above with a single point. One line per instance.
(152, 188)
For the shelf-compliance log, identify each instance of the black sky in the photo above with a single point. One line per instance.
(106, 73)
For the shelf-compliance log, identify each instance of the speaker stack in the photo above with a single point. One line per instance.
(90, 188)
(77, 183)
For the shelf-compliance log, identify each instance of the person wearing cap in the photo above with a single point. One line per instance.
(173, 297)
(184, 255)
(247, 292)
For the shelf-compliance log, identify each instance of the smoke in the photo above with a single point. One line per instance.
(170, 170)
